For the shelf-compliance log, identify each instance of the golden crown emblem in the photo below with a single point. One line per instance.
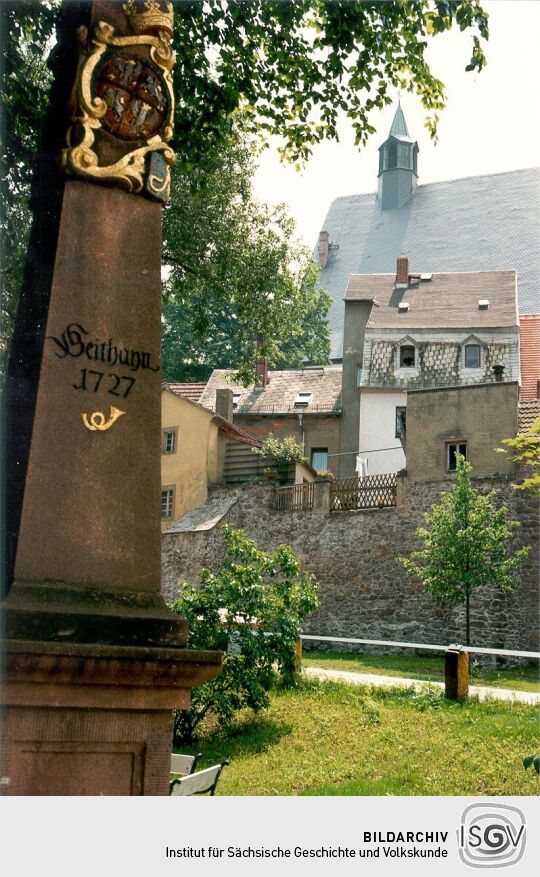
(146, 16)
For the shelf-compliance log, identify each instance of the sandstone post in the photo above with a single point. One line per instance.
(95, 662)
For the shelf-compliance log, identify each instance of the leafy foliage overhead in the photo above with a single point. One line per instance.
(26, 36)
(269, 67)
(293, 68)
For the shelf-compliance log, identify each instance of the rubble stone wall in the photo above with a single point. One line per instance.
(364, 593)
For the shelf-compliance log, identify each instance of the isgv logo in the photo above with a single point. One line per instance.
(491, 835)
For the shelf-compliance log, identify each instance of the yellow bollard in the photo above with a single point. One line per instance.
(456, 673)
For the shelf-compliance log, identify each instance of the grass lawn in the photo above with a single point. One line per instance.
(524, 678)
(325, 738)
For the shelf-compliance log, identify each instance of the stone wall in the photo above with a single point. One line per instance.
(364, 593)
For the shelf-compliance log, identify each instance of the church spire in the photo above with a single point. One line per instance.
(398, 171)
(399, 125)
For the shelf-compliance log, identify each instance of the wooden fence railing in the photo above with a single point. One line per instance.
(297, 498)
(369, 492)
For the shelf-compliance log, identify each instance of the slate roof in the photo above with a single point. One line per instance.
(482, 223)
(279, 395)
(528, 412)
(447, 301)
(529, 352)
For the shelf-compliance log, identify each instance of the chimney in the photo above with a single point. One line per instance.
(261, 363)
(402, 270)
(224, 404)
(324, 241)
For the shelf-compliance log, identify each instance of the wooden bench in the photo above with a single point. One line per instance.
(201, 782)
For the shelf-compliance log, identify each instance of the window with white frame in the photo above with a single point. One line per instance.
(472, 356)
(302, 400)
(167, 503)
(169, 439)
(452, 450)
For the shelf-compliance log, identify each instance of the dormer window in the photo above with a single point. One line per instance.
(472, 356)
(302, 400)
(406, 356)
(236, 399)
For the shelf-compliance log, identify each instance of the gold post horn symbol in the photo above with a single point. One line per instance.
(97, 419)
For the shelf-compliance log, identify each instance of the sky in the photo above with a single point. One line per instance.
(490, 124)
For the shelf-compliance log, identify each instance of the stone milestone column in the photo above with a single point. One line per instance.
(95, 662)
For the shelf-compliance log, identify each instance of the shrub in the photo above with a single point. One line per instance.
(282, 453)
(253, 609)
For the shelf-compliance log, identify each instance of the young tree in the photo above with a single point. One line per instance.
(253, 609)
(466, 545)
(525, 449)
(236, 271)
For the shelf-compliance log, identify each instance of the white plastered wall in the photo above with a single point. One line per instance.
(377, 431)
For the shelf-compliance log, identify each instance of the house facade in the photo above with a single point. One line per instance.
(479, 224)
(193, 445)
(408, 331)
(304, 403)
(472, 418)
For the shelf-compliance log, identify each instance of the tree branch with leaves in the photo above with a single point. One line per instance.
(525, 450)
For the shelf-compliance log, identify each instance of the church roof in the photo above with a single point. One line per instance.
(483, 223)
(444, 301)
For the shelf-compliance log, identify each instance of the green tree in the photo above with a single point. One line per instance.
(236, 271)
(525, 449)
(253, 609)
(272, 67)
(466, 545)
(26, 35)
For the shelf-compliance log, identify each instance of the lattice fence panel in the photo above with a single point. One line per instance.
(370, 492)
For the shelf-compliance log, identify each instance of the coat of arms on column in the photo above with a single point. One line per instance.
(123, 102)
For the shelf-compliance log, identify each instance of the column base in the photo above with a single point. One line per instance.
(94, 719)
